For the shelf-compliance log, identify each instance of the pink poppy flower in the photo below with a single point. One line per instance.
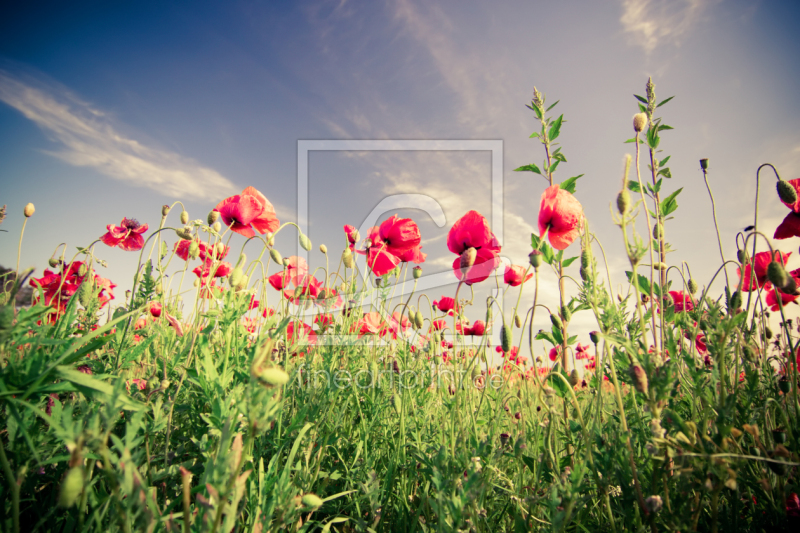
(560, 214)
(155, 309)
(472, 231)
(220, 270)
(350, 231)
(515, 275)
(761, 261)
(370, 324)
(683, 301)
(394, 237)
(445, 304)
(128, 235)
(247, 212)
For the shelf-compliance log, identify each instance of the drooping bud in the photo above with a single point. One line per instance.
(53, 262)
(535, 258)
(213, 216)
(312, 501)
(574, 378)
(347, 258)
(704, 163)
(323, 248)
(786, 192)
(505, 338)
(741, 255)
(566, 314)
(639, 378)
(236, 276)
(184, 217)
(165, 210)
(71, 487)
(777, 274)
(692, 286)
(418, 320)
(517, 321)
(468, 257)
(416, 272)
(623, 201)
(185, 233)
(639, 122)
(305, 242)
(556, 322)
(29, 210)
(276, 256)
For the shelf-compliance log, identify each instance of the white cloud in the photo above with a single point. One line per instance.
(89, 139)
(653, 22)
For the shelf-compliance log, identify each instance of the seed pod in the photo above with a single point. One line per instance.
(29, 210)
(184, 217)
(594, 336)
(786, 192)
(639, 378)
(276, 256)
(767, 332)
(556, 321)
(505, 338)
(416, 272)
(777, 274)
(704, 163)
(273, 376)
(71, 487)
(347, 258)
(566, 314)
(639, 122)
(323, 248)
(517, 321)
(213, 216)
(305, 242)
(165, 210)
(658, 231)
(692, 286)
(312, 501)
(535, 258)
(623, 201)
(574, 378)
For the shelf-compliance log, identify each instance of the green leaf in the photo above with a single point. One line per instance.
(642, 108)
(641, 99)
(665, 172)
(535, 110)
(555, 128)
(665, 101)
(534, 134)
(634, 186)
(570, 184)
(552, 106)
(528, 168)
(670, 204)
(545, 336)
(554, 166)
(644, 283)
(568, 262)
(91, 386)
(529, 462)
(664, 127)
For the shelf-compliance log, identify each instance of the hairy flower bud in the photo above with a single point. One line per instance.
(692, 286)
(658, 231)
(735, 301)
(53, 262)
(566, 314)
(216, 226)
(305, 242)
(419, 321)
(639, 378)
(535, 258)
(468, 258)
(777, 274)
(505, 338)
(273, 376)
(416, 272)
(86, 292)
(165, 210)
(213, 216)
(556, 322)
(185, 233)
(639, 122)
(29, 210)
(184, 217)
(517, 321)
(347, 258)
(323, 248)
(623, 201)
(71, 487)
(236, 276)
(741, 255)
(276, 256)
(194, 249)
(312, 501)
(586, 258)
(786, 192)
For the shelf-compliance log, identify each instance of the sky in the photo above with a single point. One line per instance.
(110, 111)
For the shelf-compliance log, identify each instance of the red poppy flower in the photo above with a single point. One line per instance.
(268, 312)
(128, 235)
(329, 298)
(323, 320)
(515, 275)
(369, 324)
(396, 325)
(220, 270)
(350, 231)
(793, 501)
(477, 329)
(439, 325)
(248, 211)
(250, 324)
(761, 261)
(683, 301)
(472, 231)
(296, 268)
(560, 214)
(394, 237)
(278, 281)
(786, 299)
(445, 304)
(298, 331)
(155, 309)
(413, 255)
(790, 227)
(58, 288)
(308, 287)
(555, 352)
(582, 352)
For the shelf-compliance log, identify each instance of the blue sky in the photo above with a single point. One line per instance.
(109, 111)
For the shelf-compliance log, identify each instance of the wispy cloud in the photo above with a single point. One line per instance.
(653, 22)
(88, 138)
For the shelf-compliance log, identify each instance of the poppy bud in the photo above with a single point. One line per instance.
(786, 192)
(273, 376)
(29, 210)
(658, 231)
(194, 249)
(347, 258)
(312, 501)
(535, 258)
(574, 378)
(242, 285)
(749, 354)
(566, 314)
(418, 320)
(623, 201)
(741, 255)
(85, 293)
(660, 266)
(585, 274)
(276, 256)
(704, 163)
(213, 216)
(594, 336)
(185, 233)
(468, 257)
(692, 286)
(505, 338)
(556, 322)
(323, 248)
(416, 272)
(639, 122)
(777, 274)
(586, 258)
(184, 217)
(71, 487)
(83, 270)
(517, 321)
(164, 384)
(53, 262)
(219, 252)
(735, 302)
(504, 438)
(639, 378)
(236, 276)
(305, 242)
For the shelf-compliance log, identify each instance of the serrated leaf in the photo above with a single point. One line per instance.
(528, 168)
(644, 283)
(664, 101)
(569, 185)
(545, 336)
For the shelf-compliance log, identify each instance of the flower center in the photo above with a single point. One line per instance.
(130, 223)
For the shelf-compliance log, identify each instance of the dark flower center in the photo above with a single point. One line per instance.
(130, 223)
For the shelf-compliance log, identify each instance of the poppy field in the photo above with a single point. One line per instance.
(236, 388)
